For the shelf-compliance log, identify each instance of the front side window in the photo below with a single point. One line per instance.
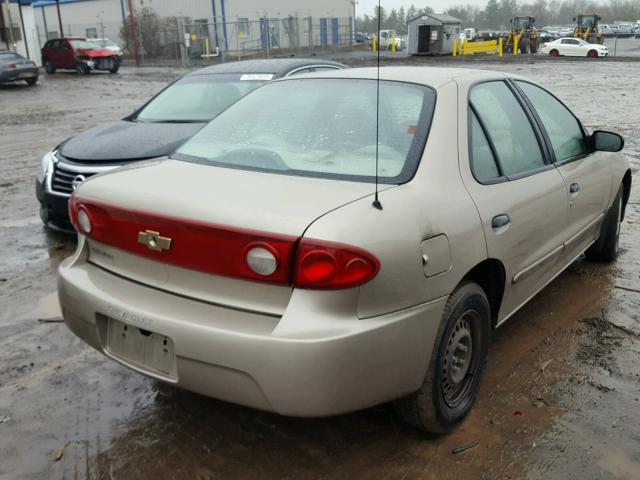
(320, 128)
(197, 98)
(565, 132)
(508, 126)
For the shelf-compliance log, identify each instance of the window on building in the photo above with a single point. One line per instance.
(243, 27)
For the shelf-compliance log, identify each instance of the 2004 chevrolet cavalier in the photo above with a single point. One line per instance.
(252, 265)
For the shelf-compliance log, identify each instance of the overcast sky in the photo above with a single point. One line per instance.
(366, 6)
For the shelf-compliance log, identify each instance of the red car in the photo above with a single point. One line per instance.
(78, 54)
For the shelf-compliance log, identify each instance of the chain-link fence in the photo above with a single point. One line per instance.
(179, 40)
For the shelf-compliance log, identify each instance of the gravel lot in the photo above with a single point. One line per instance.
(569, 362)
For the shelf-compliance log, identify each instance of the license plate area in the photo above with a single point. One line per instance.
(143, 350)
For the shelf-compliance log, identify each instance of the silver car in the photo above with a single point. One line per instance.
(293, 257)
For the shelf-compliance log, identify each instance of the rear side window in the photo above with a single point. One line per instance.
(483, 163)
(508, 127)
(564, 130)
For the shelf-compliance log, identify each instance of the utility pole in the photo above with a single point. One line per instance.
(134, 36)
(24, 32)
(10, 30)
(59, 19)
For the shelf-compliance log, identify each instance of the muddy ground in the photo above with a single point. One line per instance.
(560, 401)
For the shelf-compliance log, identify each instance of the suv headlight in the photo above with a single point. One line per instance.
(47, 163)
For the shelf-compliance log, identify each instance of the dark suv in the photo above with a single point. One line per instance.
(78, 54)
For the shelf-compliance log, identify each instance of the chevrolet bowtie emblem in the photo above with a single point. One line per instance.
(154, 241)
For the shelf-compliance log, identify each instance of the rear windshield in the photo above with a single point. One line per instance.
(198, 98)
(320, 128)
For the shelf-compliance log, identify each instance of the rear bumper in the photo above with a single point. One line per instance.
(239, 356)
(18, 74)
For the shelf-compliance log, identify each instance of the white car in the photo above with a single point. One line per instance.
(574, 47)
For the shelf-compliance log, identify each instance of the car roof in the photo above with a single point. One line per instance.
(277, 66)
(431, 76)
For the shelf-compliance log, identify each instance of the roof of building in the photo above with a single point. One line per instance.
(277, 66)
(439, 17)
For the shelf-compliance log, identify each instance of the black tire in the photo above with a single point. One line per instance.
(82, 68)
(31, 81)
(49, 67)
(443, 400)
(115, 68)
(605, 249)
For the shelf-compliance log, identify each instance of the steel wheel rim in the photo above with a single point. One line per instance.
(460, 359)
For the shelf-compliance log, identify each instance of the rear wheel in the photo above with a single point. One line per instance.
(554, 53)
(457, 364)
(605, 249)
(49, 67)
(592, 54)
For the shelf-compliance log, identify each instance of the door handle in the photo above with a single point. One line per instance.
(574, 187)
(500, 221)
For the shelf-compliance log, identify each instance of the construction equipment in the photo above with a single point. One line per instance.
(587, 28)
(523, 36)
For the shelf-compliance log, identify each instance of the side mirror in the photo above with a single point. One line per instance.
(603, 141)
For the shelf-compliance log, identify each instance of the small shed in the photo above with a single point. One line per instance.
(432, 34)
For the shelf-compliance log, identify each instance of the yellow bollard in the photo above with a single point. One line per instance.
(455, 47)
(462, 44)
(393, 43)
(500, 47)
(516, 41)
(206, 48)
(373, 43)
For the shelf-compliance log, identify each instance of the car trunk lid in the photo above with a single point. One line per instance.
(185, 227)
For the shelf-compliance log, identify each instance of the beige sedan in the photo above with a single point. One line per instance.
(257, 266)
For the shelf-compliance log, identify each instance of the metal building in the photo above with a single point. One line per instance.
(432, 34)
(165, 28)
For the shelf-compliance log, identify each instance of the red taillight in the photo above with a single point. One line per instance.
(12, 65)
(72, 206)
(192, 244)
(224, 250)
(328, 265)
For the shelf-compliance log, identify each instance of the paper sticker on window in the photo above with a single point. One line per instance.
(412, 130)
(257, 76)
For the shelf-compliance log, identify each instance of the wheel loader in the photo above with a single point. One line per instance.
(587, 28)
(524, 35)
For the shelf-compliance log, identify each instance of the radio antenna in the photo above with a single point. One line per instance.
(376, 201)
